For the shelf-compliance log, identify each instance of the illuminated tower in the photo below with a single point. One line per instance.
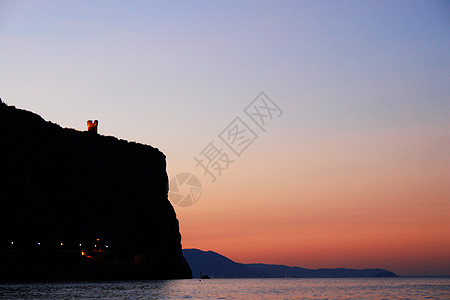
(92, 126)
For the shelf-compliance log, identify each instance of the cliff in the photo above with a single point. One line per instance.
(76, 205)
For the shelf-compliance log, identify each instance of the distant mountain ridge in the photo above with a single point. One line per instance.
(217, 265)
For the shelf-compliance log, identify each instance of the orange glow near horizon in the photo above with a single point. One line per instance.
(387, 210)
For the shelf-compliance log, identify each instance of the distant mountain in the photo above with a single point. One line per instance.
(296, 272)
(216, 265)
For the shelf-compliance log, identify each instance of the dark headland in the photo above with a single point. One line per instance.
(76, 205)
(219, 266)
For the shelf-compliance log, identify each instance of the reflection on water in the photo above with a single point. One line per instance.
(317, 288)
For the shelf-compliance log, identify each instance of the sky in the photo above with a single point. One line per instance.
(351, 167)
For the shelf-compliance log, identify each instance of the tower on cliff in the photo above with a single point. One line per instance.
(92, 126)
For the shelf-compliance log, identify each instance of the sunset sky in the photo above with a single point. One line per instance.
(354, 171)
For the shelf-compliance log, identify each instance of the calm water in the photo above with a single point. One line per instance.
(348, 288)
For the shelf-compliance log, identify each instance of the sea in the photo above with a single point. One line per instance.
(265, 288)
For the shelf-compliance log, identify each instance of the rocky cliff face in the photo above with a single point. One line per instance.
(79, 205)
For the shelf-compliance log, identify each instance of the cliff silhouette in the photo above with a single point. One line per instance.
(76, 205)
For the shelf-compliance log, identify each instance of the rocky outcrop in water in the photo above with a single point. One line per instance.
(78, 205)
